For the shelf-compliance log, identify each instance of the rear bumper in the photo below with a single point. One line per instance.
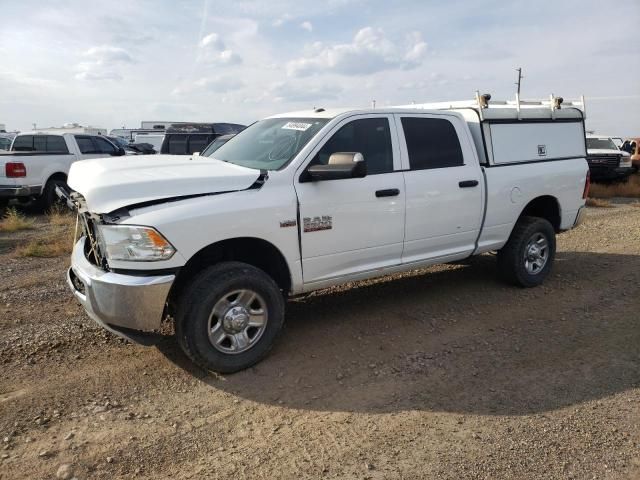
(126, 305)
(14, 191)
(582, 213)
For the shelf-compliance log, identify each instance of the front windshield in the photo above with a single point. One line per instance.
(602, 143)
(270, 144)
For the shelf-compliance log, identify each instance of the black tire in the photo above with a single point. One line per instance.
(513, 260)
(49, 198)
(4, 203)
(196, 305)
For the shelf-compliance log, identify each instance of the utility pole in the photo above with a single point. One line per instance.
(520, 77)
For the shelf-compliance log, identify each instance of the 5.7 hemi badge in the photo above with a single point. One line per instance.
(316, 224)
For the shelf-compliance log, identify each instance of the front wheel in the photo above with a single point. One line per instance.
(229, 317)
(527, 257)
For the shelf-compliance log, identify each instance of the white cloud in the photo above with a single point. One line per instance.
(212, 50)
(212, 40)
(417, 48)
(219, 84)
(296, 93)
(88, 72)
(371, 51)
(101, 63)
(307, 25)
(282, 20)
(108, 55)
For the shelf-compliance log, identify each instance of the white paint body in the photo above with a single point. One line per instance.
(432, 220)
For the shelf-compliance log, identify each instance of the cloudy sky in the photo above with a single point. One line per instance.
(114, 63)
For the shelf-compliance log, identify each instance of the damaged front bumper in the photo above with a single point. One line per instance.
(127, 305)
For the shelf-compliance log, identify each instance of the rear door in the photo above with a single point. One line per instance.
(355, 225)
(444, 187)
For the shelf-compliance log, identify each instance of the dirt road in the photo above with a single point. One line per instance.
(444, 373)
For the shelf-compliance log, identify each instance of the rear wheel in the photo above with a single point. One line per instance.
(4, 203)
(528, 255)
(49, 198)
(229, 317)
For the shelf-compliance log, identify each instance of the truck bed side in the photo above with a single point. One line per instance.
(529, 164)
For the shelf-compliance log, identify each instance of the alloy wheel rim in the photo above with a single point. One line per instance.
(536, 254)
(237, 321)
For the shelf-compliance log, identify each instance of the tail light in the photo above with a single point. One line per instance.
(15, 169)
(587, 184)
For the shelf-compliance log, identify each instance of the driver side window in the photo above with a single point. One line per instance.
(369, 136)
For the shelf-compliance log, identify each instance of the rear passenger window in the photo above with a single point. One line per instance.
(431, 143)
(85, 145)
(56, 144)
(40, 143)
(370, 136)
(23, 143)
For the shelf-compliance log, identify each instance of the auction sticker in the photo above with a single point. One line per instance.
(303, 127)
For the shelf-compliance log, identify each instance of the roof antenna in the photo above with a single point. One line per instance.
(520, 77)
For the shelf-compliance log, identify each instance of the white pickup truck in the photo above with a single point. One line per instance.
(38, 162)
(306, 200)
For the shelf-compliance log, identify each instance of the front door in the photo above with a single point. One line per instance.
(355, 225)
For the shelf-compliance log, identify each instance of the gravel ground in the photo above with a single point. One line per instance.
(441, 373)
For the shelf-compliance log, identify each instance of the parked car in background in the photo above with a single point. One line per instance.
(39, 162)
(153, 139)
(5, 141)
(216, 144)
(132, 148)
(607, 163)
(129, 134)
(185, 139)
(312, 199)
(632, 147)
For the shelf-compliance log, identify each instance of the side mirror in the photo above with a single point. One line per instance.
(196, 154)
(118, 153)
(341, 165)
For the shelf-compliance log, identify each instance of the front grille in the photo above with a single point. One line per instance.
(604, 160)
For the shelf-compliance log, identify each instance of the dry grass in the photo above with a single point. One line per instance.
(39, 247)
(631, 188)
(61, 216)
(14, 221)
(599, 203)
(54, 240)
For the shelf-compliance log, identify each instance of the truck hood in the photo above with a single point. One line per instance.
(115, 182)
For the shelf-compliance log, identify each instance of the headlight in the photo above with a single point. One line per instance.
(133, 243)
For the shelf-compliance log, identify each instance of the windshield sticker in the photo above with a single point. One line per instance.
(303, 127)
